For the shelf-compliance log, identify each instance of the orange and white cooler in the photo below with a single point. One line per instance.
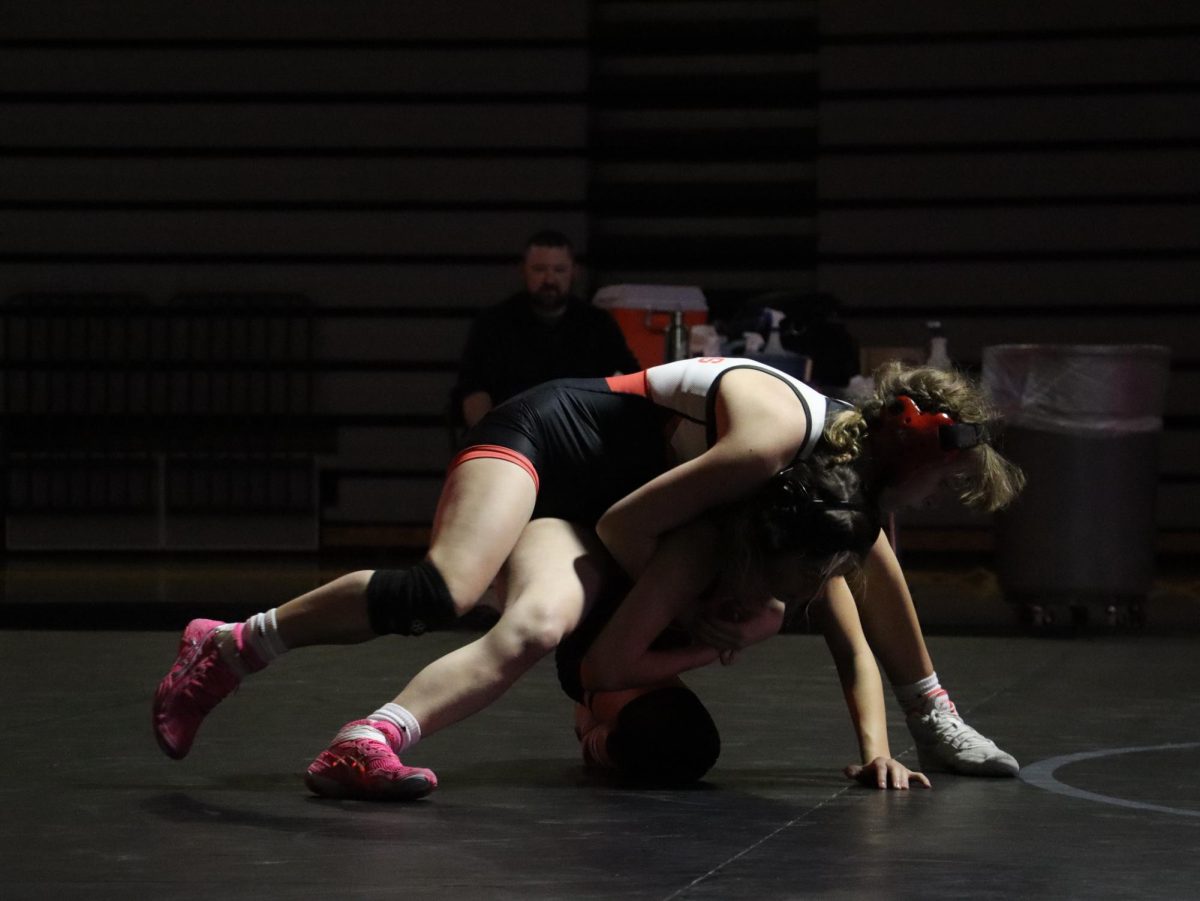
(644, 312)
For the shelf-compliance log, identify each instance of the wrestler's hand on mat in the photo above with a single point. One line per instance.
(885, 772)
(730, 628)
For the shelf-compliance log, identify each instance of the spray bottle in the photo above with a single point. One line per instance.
(939, 356)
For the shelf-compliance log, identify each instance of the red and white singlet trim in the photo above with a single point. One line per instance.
(688, 389)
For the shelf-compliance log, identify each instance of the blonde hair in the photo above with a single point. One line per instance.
(986, 478)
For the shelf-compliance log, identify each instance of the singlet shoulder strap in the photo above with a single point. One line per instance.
(834, 407)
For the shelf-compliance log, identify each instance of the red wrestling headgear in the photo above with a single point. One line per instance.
(906, 439)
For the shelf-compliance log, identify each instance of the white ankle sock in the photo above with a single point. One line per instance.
(261, 633)
(410, 729)
(248, 647)
(912, 697)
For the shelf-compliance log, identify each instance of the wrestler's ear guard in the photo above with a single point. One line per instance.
(906, 438)
(795, 515)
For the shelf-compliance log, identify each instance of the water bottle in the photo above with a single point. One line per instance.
(774, 345)
(677, 339)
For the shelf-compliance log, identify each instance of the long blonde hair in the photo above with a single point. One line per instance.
(987, 479)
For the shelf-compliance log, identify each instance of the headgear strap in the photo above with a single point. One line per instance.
(794, 514)
(793, 494)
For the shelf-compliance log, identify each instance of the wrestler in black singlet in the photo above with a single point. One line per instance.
(589, 445)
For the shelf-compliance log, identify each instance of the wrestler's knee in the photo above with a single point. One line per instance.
(409, 601)
(535, 626)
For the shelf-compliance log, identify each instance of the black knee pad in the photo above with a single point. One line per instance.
(665, 736)
(409, 601)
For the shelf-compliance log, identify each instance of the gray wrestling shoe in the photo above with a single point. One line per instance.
(945, 744)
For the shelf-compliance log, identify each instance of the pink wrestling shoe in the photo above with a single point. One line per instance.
(194, 686)
(358, 765)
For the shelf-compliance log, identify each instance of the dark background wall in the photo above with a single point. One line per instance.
(377, 163)
(240, 244)
(1023, 172)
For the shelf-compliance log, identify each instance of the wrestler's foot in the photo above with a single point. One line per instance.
(948, 745)
(361, 763)
(195, 684)
(593, 738)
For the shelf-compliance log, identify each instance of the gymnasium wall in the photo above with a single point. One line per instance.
(276, 220)
(378, 163)
(1024, 172)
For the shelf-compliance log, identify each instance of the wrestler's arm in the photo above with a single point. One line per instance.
(863, 691)
(889, 617)
(759, 426)
(674, 579)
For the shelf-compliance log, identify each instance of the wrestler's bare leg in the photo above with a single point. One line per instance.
(549, 582)
(484, 505)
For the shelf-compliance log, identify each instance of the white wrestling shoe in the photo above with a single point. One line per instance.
(945, 744)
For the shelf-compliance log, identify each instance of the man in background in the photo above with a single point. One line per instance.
(541, 333)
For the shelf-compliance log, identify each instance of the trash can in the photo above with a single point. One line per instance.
(1083, 421)
(644, 313)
